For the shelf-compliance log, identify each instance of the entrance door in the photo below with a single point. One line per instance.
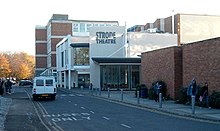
(83, 80)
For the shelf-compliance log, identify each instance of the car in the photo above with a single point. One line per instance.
(44, 87)
(26, 83)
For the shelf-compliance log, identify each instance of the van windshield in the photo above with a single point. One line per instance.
(49, 82)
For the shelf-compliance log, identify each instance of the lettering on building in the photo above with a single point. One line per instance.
(105, 37)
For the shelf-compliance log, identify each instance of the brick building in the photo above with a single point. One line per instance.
(177, 65)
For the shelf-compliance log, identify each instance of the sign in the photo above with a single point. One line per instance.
(105, 37)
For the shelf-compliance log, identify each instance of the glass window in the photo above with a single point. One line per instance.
(75, 27)
(39, 82)
(82, 27)
(49, 82)
(88, 27)
(81, 56)
(102, 25)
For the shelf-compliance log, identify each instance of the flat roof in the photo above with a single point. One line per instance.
(75, 45)
(116, 60)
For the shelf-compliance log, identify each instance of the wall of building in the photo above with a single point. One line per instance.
(176, 66)
(113, 49)
(143, 42)
(198, 27)
(61, 29)
(202, 61)
(161, 65)
(41, 48)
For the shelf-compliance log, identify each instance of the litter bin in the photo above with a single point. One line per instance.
(144, 92)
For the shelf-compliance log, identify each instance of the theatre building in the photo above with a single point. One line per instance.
(107, 58)
(100, 59)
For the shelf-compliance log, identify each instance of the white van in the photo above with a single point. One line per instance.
(44, 86)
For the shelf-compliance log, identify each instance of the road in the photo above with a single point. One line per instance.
(77, 112)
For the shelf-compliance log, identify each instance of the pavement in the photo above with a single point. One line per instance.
(169, 107)
(4, 107)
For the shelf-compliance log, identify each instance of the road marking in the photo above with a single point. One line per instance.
(63, 95)
(79, 95)
(72, 95)
(92, 112)
(83, 108)
(126, 126)
(75, 104)
(106, 118)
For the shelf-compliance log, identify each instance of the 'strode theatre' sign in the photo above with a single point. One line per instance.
(105, 38)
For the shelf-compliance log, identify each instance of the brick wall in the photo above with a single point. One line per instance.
(41, 62)
(176, 66)
(53, 60)
(41, 34)
(161, 65)
(202, 61)
(61, 29)
(41, 48)
(54, 42)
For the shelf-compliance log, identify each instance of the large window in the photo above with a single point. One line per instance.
(82, 27)
(120, 76)
(81, 56)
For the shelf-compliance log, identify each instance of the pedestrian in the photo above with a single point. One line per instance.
(192, 90)
(1, 87)
(8, 87)
(204, 95)
(157, 88)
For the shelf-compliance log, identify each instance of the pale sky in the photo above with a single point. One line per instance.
(18, 18)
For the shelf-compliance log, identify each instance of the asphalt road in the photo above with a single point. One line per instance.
(78, 112)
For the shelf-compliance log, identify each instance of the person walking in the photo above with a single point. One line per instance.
(204, 95)
(8, 87)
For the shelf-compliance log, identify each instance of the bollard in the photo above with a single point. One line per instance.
(92, 91)
(193, 104)
(108, 92)
(160, 100)
(138, 97)
(121, 94)
(99, 91)
(96, 93)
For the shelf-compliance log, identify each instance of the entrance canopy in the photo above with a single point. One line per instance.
(116, 60)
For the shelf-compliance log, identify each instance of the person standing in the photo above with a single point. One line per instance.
(8, 87)
(157, 88)
(204, 95)
(192, 90)
(1, 87)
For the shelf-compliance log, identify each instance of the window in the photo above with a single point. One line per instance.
(75, 27)
(82, 27)
(49, 82)
(62, 59)
(39, 82)
(88, 27)
(81, 56)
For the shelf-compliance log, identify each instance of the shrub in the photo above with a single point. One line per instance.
(214, 100)
(182, 96)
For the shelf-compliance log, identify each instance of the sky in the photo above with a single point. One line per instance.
(18, 18)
